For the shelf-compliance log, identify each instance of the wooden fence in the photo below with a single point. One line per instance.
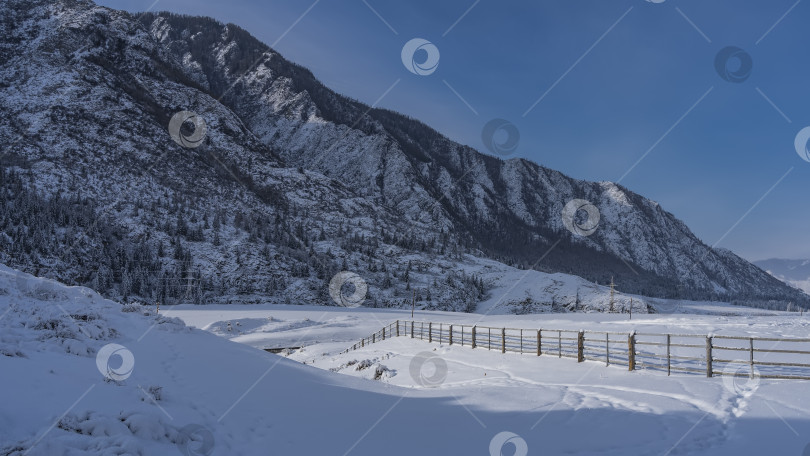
(776, 358)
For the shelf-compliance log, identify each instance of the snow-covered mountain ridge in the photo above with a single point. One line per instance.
(510, 209)
(292, 183)
(792, 272)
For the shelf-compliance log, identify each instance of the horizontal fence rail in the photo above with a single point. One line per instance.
(712, 355)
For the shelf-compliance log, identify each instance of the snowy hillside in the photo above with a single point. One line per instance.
(290, 183)
(97, 193)
(163, 388)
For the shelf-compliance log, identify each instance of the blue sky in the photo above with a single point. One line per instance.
(619, 77)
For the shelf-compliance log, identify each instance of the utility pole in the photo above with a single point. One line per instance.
(188, 288)
(612, 290)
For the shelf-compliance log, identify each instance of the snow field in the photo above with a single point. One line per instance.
(192, 392)
(557, 401)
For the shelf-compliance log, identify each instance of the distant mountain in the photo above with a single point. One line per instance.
(792, 272)
(291, 183)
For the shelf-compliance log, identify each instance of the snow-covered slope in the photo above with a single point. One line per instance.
(165, 388)
(291, 184)
(97, 193)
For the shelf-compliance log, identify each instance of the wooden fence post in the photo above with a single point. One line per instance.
(708, 356)
(751, 340)
(631, 351)
(521, 341)
(393, 329)
(669, 358)
(539, 341)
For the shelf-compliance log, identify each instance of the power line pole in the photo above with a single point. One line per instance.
(188, 288)
(612, 290)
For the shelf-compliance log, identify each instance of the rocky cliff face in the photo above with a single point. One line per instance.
(291, 183)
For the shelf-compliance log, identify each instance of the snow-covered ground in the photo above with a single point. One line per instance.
(330, 328)
(66, 390)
